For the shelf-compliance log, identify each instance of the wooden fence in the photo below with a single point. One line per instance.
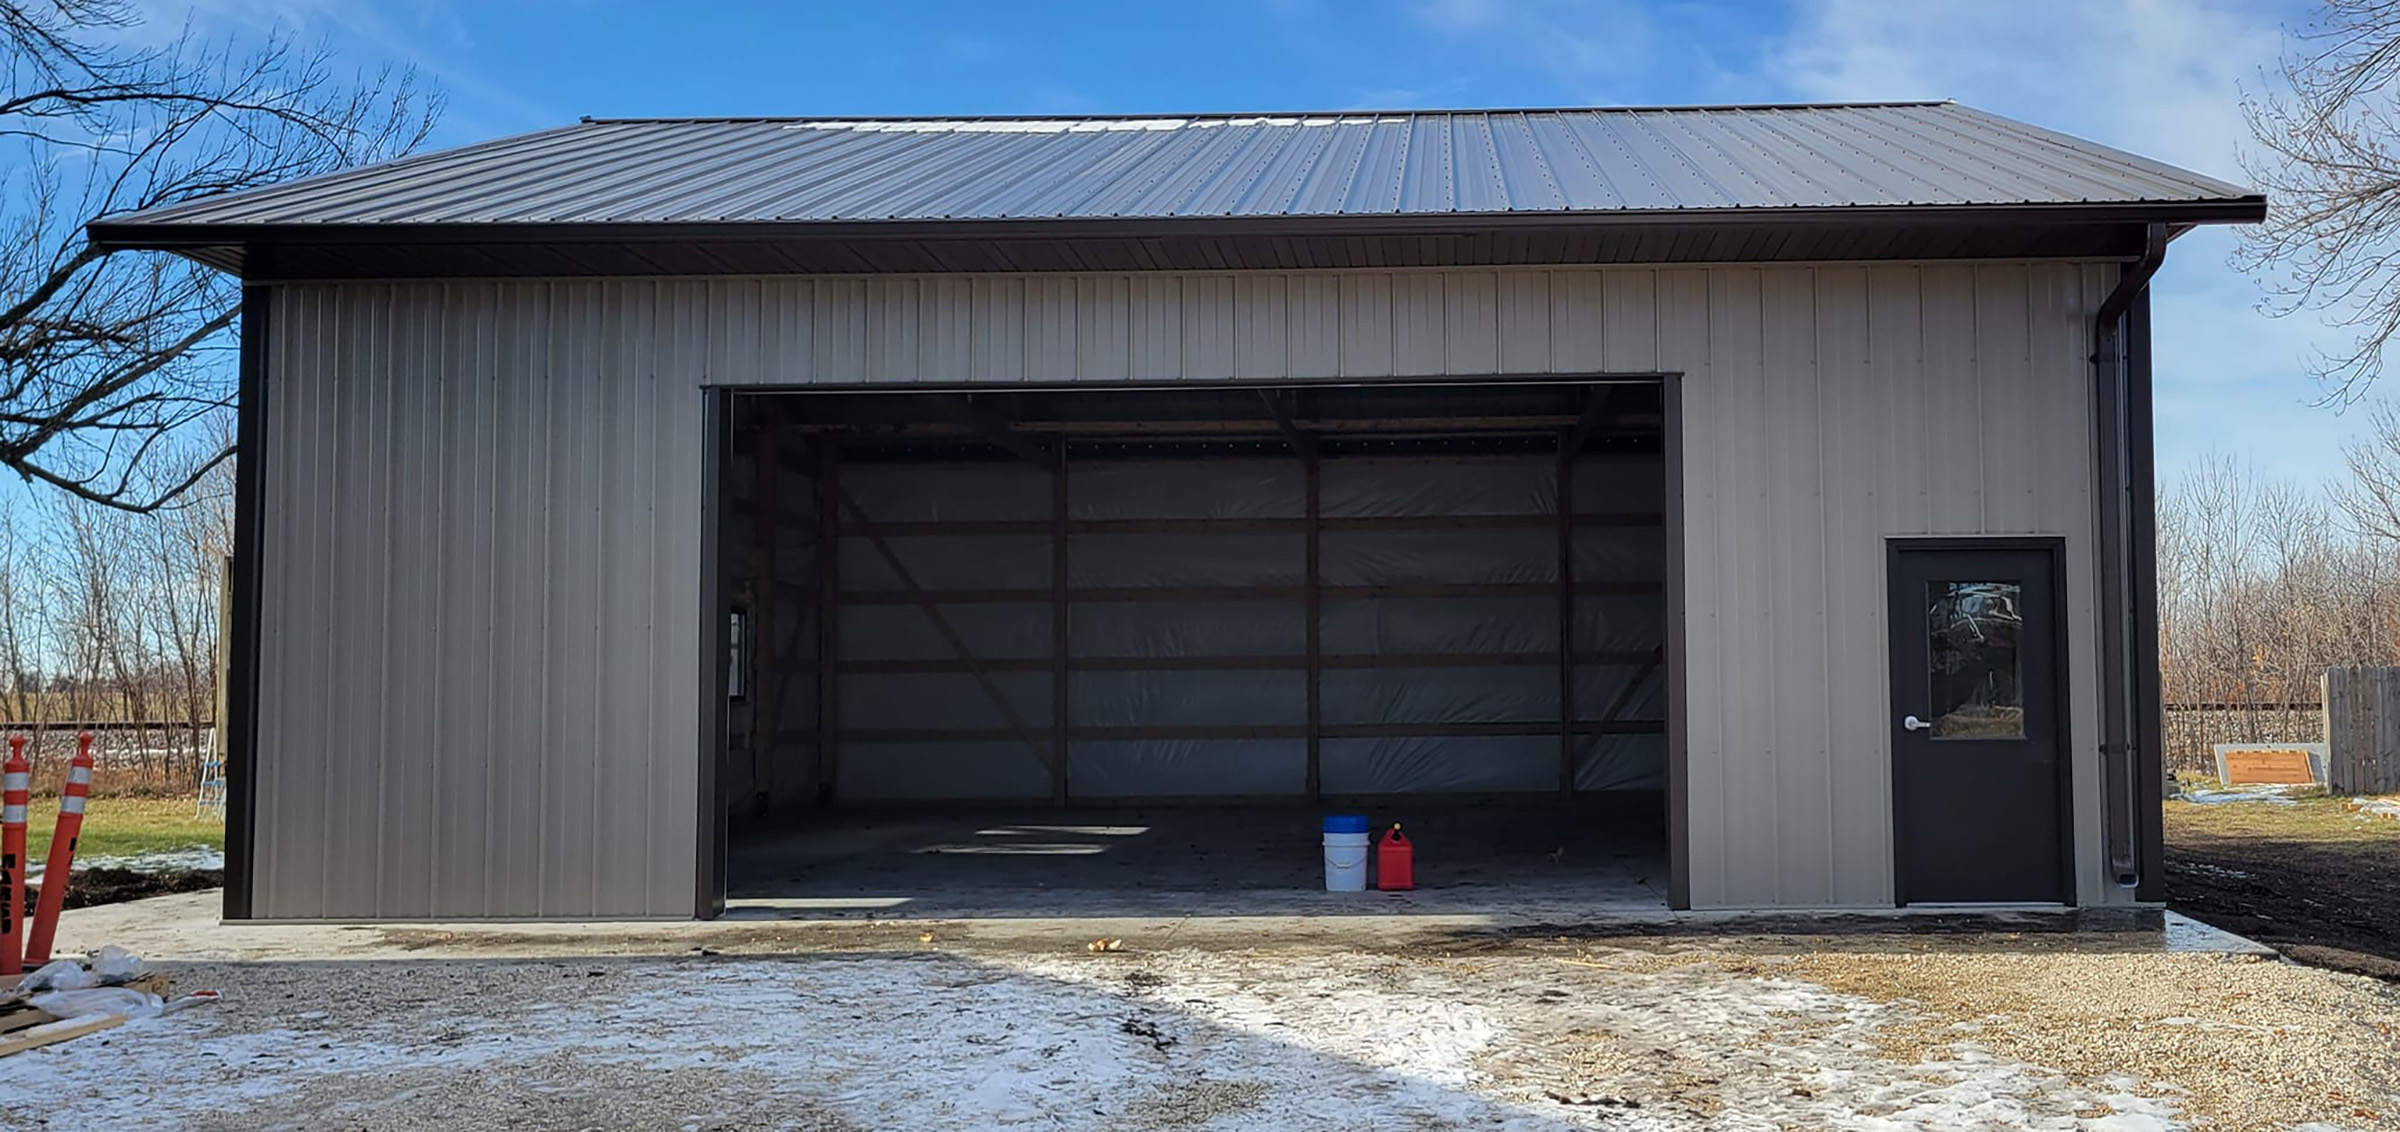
(2192, 730)
(2362, 730)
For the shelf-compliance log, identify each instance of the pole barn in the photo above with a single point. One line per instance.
(1719, 507)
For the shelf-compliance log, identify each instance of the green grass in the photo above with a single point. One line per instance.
(123, 827)
(2311, 819)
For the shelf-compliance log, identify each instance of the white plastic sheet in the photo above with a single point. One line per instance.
(1187, 489)
(948, 562)
(1505, 624)
(1187, 699)
(1187, 628)
(1473, 557)
(924, 493)
(1153, 768)
(1370, 487)
(1206, 558)
(1440, 695)
(951, 770)
(904, 632)
(922, 700)
(1500, 764)
(1239, 489)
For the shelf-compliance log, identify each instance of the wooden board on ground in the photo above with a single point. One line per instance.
(53, 1032)
(2269, 764)
(16, 1016)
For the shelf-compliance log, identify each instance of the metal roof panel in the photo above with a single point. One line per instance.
(1398, 164)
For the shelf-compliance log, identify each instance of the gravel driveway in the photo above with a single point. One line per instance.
(880, 1028)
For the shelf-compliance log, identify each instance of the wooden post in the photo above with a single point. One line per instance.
(829, 610)
(1567, 442)
(1058, 628)
(762, 680)
(1312, 599)
(1284, 407)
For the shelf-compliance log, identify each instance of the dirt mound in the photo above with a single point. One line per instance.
(115, 886)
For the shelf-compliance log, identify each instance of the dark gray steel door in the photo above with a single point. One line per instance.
(1978, 729)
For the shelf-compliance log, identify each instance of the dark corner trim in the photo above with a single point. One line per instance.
(716, 423)
(242, 650)
(2149, 694)
(2124, 475)
(1679, 754)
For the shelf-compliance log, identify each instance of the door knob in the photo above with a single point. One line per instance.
(1912, 723)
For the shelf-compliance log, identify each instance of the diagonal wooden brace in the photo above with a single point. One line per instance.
(941, 624)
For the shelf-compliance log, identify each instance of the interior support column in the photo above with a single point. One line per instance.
(1058, 628)
(1568, 441)
(829, 609)
(759, 652)
(1312, 600)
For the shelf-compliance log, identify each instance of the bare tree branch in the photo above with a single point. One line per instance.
(107, 358)
(2327, 154)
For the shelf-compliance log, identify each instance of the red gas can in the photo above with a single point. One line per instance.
(1395, 863)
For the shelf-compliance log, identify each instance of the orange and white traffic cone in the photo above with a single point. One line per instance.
(18, 778)
(62, 854)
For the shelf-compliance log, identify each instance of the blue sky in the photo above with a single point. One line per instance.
(2162, 77)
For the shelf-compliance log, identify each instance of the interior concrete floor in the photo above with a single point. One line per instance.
(1597, 855)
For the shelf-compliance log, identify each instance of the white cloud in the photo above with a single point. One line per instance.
(430, 35)
(1597, 51)
(2158, 77)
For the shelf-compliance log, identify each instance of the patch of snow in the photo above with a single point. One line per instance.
(2213, 795)
(2376, 807)
(1193, 1039)
(164, 860)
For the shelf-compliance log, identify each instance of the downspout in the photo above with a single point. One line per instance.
(2122, 444)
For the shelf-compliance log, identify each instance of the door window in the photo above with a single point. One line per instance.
(1976, 680)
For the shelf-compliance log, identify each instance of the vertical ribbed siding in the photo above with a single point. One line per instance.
(479, 651)
(1836, 407)
(480, 647)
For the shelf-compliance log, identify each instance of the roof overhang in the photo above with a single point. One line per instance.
(295, 252)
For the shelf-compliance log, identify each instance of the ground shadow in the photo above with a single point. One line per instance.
(1592, 856)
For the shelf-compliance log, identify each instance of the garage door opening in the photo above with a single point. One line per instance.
(1073, 652)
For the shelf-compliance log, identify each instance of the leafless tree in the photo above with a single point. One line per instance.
(2263, 585)
(110, 617)
(105, 357)
(2328, 157)
(2371, 496)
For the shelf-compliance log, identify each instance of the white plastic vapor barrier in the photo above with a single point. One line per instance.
(1187, 628)
(1187, 699)
(1154, 768)
(1188, 489)
(1196, 559)
(1505, 764)
(1203, 689)
(1372, 487)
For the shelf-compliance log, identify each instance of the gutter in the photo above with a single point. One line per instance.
(2120, 385)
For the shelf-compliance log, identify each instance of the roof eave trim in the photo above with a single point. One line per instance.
(115, 235)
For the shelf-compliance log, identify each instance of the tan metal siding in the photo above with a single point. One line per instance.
(482, 526)
(483, 535)
(1841, 406)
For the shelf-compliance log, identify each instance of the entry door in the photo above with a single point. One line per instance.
(1978, 734)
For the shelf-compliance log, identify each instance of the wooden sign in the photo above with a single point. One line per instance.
(2269, 764)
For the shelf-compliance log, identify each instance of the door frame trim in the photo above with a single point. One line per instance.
(2056, 547)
